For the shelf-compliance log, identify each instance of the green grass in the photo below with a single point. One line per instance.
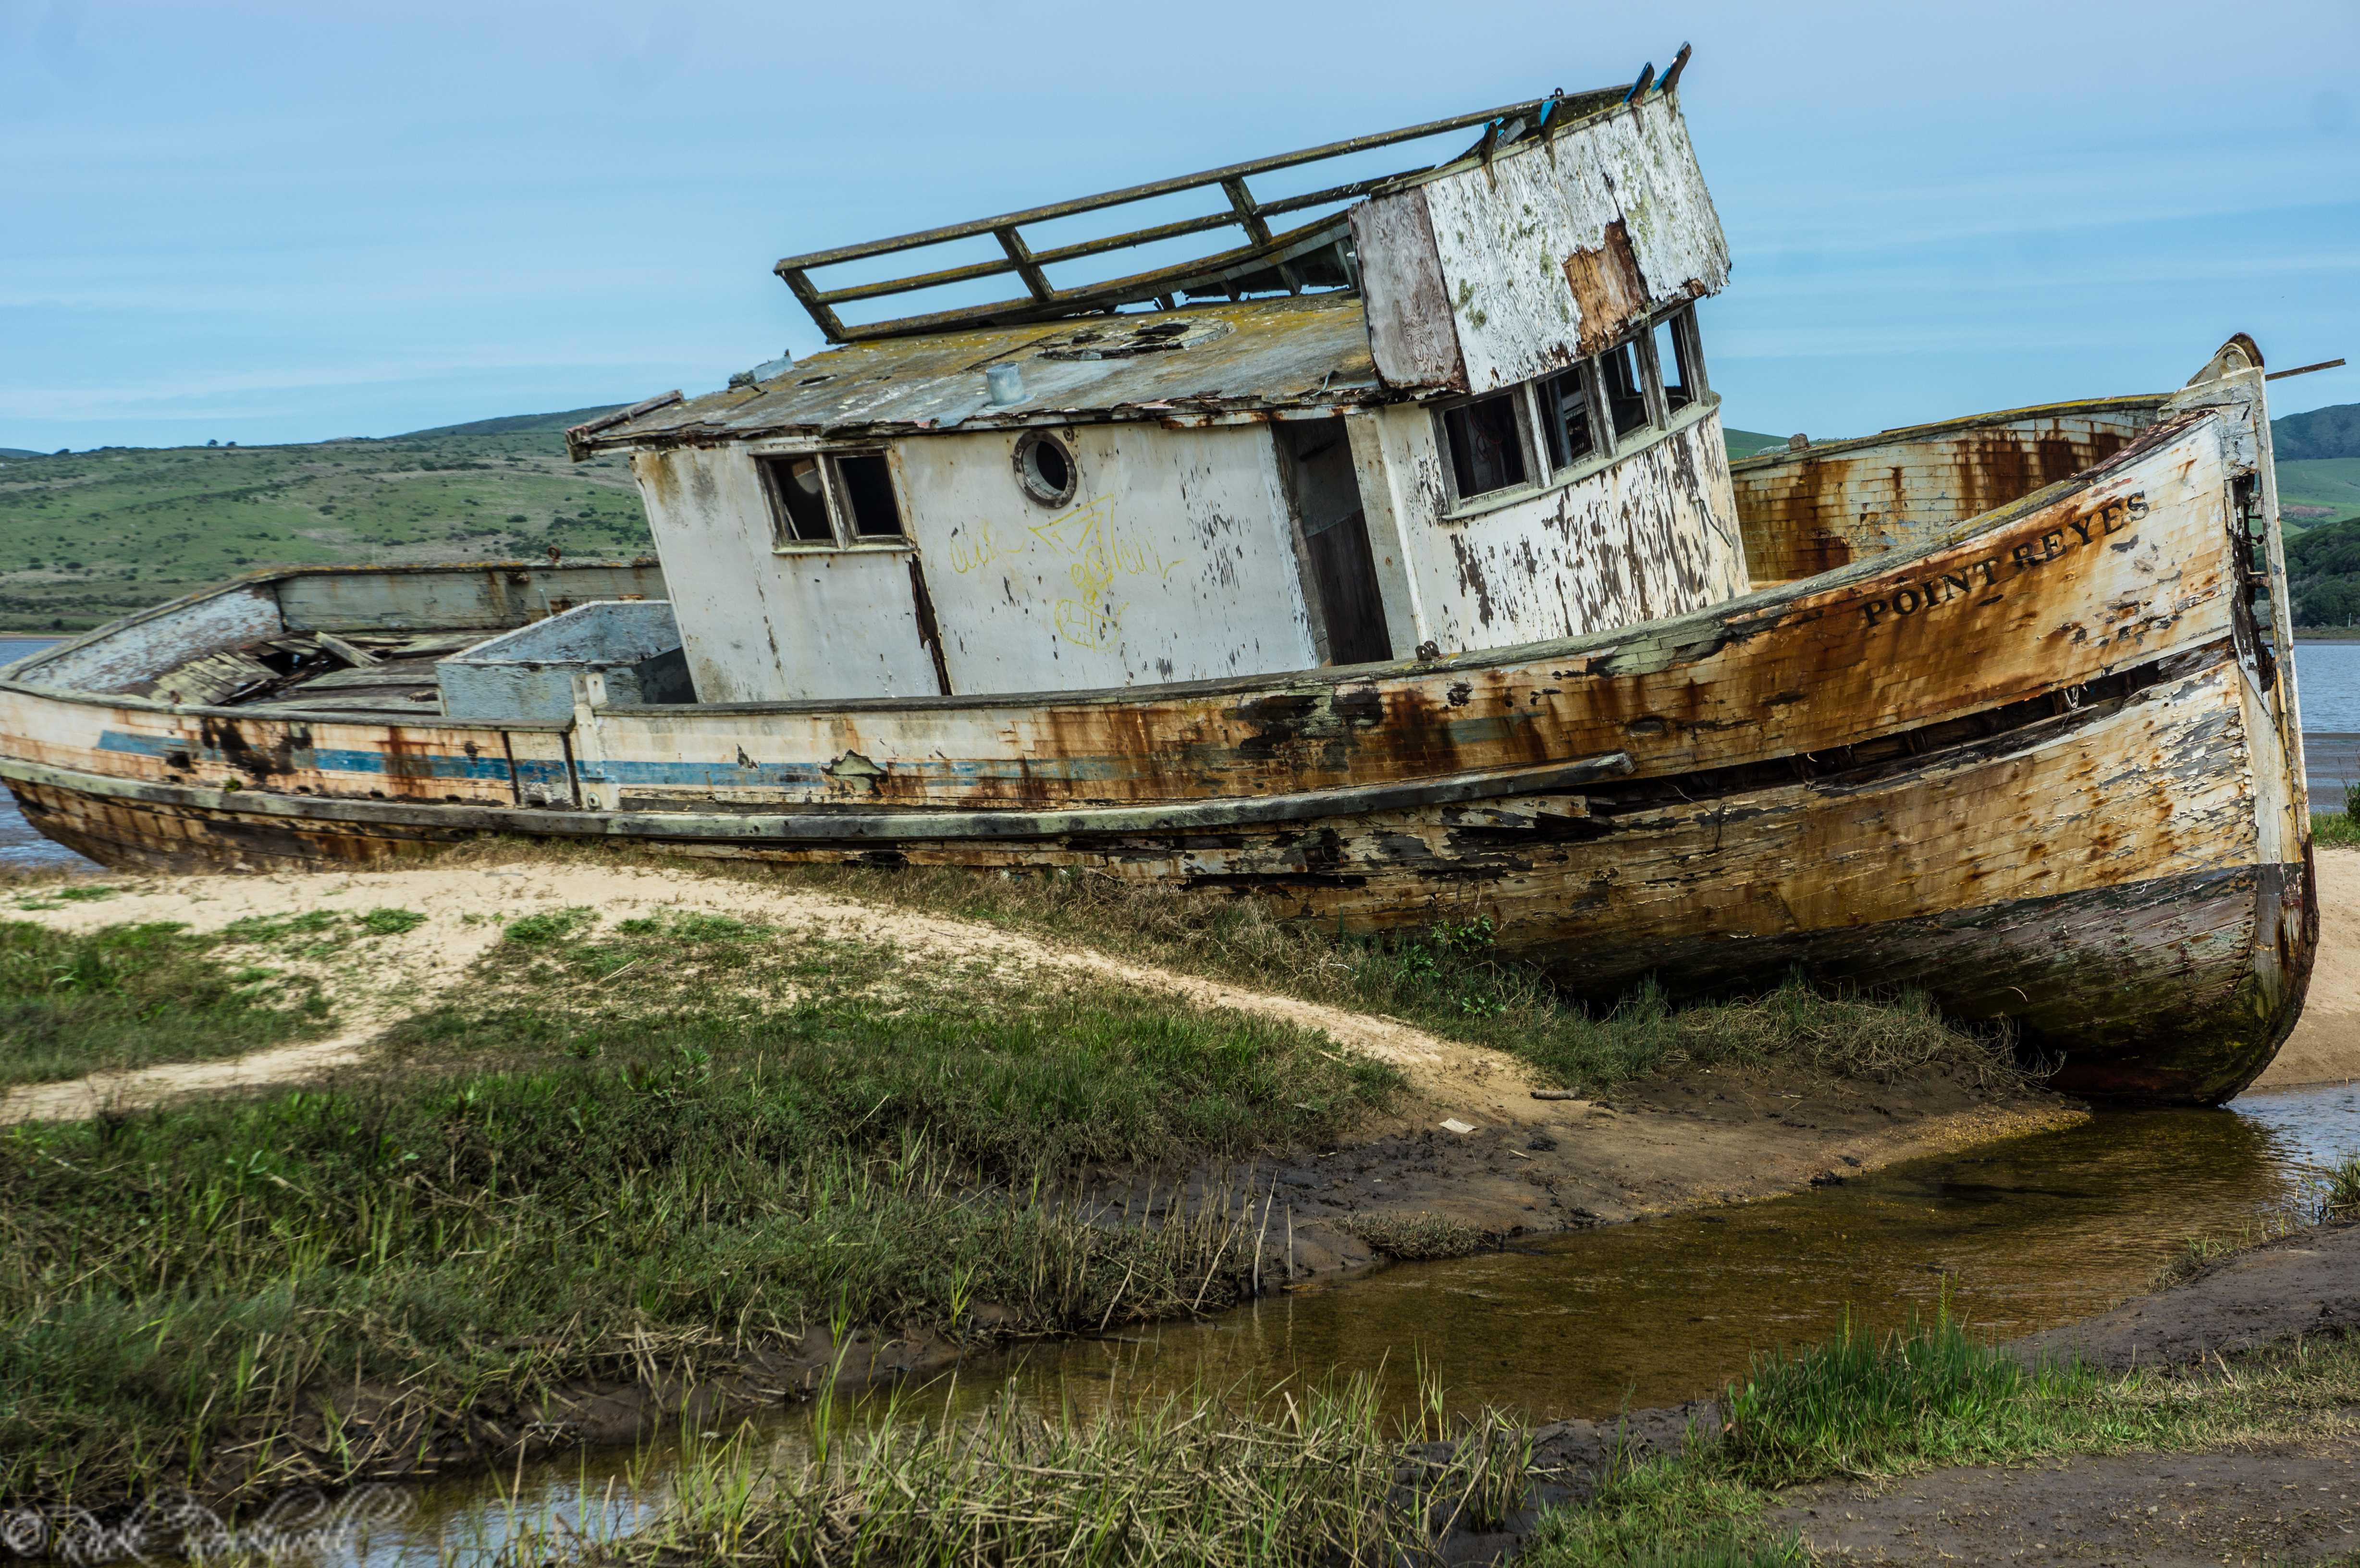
(663, 1146)
(1310, 1476)
(133, 996)
(88, 536)
(2334, 830)
(1927, 1397)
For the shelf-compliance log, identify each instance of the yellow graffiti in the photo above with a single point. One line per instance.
(980, 550)
(1087, 537)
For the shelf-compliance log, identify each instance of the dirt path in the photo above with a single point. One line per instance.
(465, 910)
(2295, 1502)
(2325, 1045)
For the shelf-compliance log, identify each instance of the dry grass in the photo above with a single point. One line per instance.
(1416, 1237)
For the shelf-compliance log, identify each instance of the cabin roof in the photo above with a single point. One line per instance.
(1240, 358)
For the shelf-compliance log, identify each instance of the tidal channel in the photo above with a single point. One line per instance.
(2019, 1235)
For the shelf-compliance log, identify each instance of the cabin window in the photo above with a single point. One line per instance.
(1487, 450)
(1567, 426)
(1045, 467)
(814, 493)
(1676, 361)
(868, 504)
(802, 492)
(1625, 396)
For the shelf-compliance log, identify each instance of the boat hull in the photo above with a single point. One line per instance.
(2040, 767)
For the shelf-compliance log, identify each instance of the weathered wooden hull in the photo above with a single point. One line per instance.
(2039, 764)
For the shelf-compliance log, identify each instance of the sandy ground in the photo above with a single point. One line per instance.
(2325, 1045)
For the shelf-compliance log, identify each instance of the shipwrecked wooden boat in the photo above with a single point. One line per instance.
(1384, 567)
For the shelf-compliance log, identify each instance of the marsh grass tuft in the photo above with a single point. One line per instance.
(2329, 1192)
(1417, 1237)
(1210, 1479)
(1862, 1404)
(2337, 830)
(133, 995)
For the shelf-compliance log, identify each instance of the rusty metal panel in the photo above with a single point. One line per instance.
(364, 759)
(1549, 250)
(1809, 511)
(130, 654)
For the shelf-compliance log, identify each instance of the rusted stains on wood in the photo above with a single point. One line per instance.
(1810, 511)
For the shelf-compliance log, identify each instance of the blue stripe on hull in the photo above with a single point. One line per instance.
(339, 759)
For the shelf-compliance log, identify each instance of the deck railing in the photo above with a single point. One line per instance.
(1295, 255)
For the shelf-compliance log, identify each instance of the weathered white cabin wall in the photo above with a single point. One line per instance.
(762, 626)
(1174, 561)
(1656, 534)
(1498, 273)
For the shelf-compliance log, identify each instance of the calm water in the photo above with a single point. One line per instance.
(2327, 677)
(2022, 1236)
(21, 848)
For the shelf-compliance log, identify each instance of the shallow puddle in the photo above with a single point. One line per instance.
(2020, 1235)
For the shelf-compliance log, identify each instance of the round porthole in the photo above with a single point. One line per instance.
(1045, 467)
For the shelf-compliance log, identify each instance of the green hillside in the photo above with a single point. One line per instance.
(2321, 432)
(2324, 574)
(2320, 490)
(85, 536)
(1748, 443)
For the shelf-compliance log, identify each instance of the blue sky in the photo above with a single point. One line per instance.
(265, 223)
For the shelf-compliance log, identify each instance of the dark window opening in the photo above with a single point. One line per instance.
(1626, 398)
(868, 495)
(1676, 363)
(1565, 419)
(803, 500)
(1486, 454)
(1050, 463)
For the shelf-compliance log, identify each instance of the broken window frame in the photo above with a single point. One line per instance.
(1637, 352)
(835, 494)
(1529, 450)
(1546, 412)
(1686, 349)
